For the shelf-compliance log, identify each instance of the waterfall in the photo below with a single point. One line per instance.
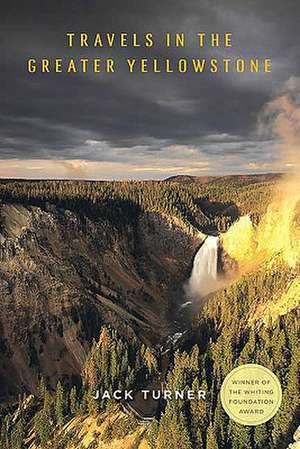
(204, 275)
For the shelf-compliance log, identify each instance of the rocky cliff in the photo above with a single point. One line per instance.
(64, 274)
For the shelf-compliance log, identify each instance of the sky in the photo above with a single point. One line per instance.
(141, 126)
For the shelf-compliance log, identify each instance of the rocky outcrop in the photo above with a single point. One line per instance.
(64, 275)
(226, 264)
(14, 220)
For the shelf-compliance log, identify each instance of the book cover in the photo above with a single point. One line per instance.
(149, 224)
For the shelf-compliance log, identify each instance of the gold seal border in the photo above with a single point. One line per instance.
(226, 407)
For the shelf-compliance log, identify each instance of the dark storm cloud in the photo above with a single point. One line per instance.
(57, 116)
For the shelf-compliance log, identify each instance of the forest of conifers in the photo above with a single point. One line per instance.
(223, 334)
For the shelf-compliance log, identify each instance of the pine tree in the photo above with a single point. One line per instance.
(152, 433)
(194, 359)
(105, 339)
(173, 431)
(114, 366)
(220, 425)
(199, 441)
(198, 416)
(150, 360)
(83, 408)
(182, 439)
(17, 436)
(240, 436)
(4, 435)
(278, 348)
(73, 401)
(261, 436)
(48, 405)
(59, 404)
(90, 372)
(284, 417)
(124, 362)
(42, 428)
(92, 404)
(211, 441)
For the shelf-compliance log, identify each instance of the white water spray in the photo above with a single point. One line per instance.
(204, 275)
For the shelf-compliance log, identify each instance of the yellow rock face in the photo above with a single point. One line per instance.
(278, 233)
(88, 430)
(275, 239)
(239, 241)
